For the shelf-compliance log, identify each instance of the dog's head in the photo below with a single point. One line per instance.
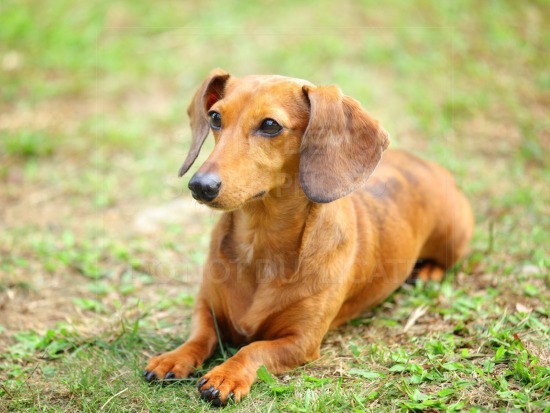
(275, 133)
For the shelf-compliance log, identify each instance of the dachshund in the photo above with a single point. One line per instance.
(319, 224)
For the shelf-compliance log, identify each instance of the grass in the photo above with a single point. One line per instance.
(101, 248)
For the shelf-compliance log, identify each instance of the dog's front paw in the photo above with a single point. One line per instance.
(224, 383)
(175, 364)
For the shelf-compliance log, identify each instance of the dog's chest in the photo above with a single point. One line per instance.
(257, 297)
(257, 263)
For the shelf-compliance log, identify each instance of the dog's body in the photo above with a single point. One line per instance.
(294, 254)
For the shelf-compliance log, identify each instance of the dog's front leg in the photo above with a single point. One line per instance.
(181, 362)
(233, 379)
(293, 338)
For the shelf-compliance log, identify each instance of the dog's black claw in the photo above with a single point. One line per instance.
(151, 376)
(200, 383)
(217, 402)
(207, 394)
(215, 393)
(170, 375)
(145, 373)
(231, 396)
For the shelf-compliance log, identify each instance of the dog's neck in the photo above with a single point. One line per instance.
(271, 228)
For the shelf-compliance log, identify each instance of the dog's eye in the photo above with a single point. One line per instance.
(215, 120)
(270, 127)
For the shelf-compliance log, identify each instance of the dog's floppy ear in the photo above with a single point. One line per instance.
(211, 90)
(341, 145)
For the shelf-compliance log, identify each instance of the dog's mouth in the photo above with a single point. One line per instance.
(259, 195)
(219, 206)
(213, 205)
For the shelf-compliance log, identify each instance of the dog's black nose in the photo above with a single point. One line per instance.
(205, 187)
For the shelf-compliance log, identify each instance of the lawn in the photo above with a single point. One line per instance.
(101, 245)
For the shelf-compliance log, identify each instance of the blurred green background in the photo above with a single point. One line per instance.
(101, 247)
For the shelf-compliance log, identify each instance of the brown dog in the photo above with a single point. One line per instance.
(305, 242)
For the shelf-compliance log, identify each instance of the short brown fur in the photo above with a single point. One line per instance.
(306, 242)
